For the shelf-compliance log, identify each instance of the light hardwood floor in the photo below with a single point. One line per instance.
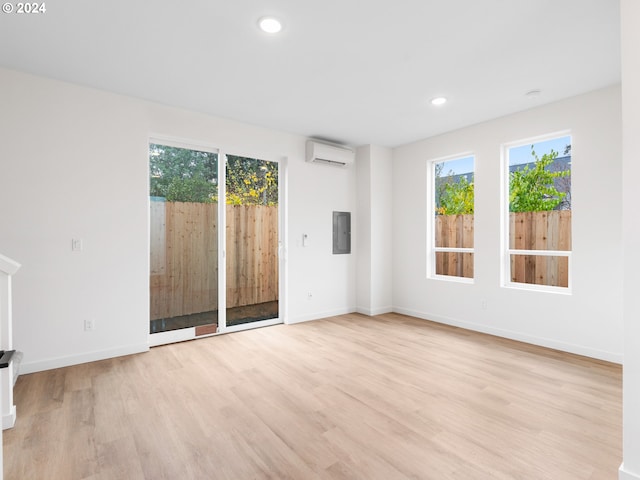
(350, 397)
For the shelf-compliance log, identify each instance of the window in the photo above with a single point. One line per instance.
(451, 223)
(538, 213)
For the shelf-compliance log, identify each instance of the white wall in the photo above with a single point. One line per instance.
(315, 192)
(630, 18)
(587, 322)
(73, 163)
(363, 228)
(374, 247)
(381, 230)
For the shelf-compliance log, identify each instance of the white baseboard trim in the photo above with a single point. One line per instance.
(625, 475)
(499, 332)
(9, 420)
(373, 312)
(319, 315)
(59, 362)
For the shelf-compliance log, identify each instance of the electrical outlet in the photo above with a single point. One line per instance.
(309, 296)
(483, 304)
(89, 325)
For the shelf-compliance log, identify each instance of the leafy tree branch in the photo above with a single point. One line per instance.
(184, 175)
(532, 188)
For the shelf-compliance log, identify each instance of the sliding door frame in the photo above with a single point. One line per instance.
(189, 333)
(222, 240)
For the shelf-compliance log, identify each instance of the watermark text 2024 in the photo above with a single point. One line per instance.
(21, 8)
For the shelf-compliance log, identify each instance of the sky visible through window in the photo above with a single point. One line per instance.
(522, 154)
(517, 155)
(457, 166)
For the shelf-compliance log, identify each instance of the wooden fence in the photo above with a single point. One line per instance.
(540, 231)
(184, 257)
(454, 231)
(527, 231)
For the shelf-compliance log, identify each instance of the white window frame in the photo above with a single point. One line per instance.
(507, 251)
(431, 222)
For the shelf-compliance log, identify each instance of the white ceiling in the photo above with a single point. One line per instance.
(354, 72)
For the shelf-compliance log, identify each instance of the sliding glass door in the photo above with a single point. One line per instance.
(183, 239)
(251, 240)
(193, 232)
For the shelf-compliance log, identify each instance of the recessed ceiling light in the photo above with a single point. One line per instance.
(439, 101)
(270, 25)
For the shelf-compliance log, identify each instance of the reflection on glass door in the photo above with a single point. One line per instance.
(251, 240)
(184, 239)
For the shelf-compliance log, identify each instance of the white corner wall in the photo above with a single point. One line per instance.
(381, 229)
(374, 247)
(630, 23)
(74, 164)
(589, 321)
(363, 227)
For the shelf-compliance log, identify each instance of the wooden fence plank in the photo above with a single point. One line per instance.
(564, 227)
(157, 237)
(552, 242)
(517, 228)
(540, 220)
(564, 243)
(467, 259)
(468, 221)
(455, 240)
(553, 230)
(439, 228)
(467, 242)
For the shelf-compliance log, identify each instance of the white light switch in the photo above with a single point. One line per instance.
(76, 244)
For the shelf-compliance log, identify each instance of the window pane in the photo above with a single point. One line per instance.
(251, 240)
(540, 270)
(183, 190)
(454, 203)
(540, 195)
(456, 264)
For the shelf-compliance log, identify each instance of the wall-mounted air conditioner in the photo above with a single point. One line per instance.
(318, 152)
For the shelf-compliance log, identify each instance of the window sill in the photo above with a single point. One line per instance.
(531, 287)
(451, 278)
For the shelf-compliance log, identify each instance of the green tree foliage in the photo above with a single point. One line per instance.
(532, 189)
(184, 175)
(251, 181)
(195, 189)
(456, 198)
